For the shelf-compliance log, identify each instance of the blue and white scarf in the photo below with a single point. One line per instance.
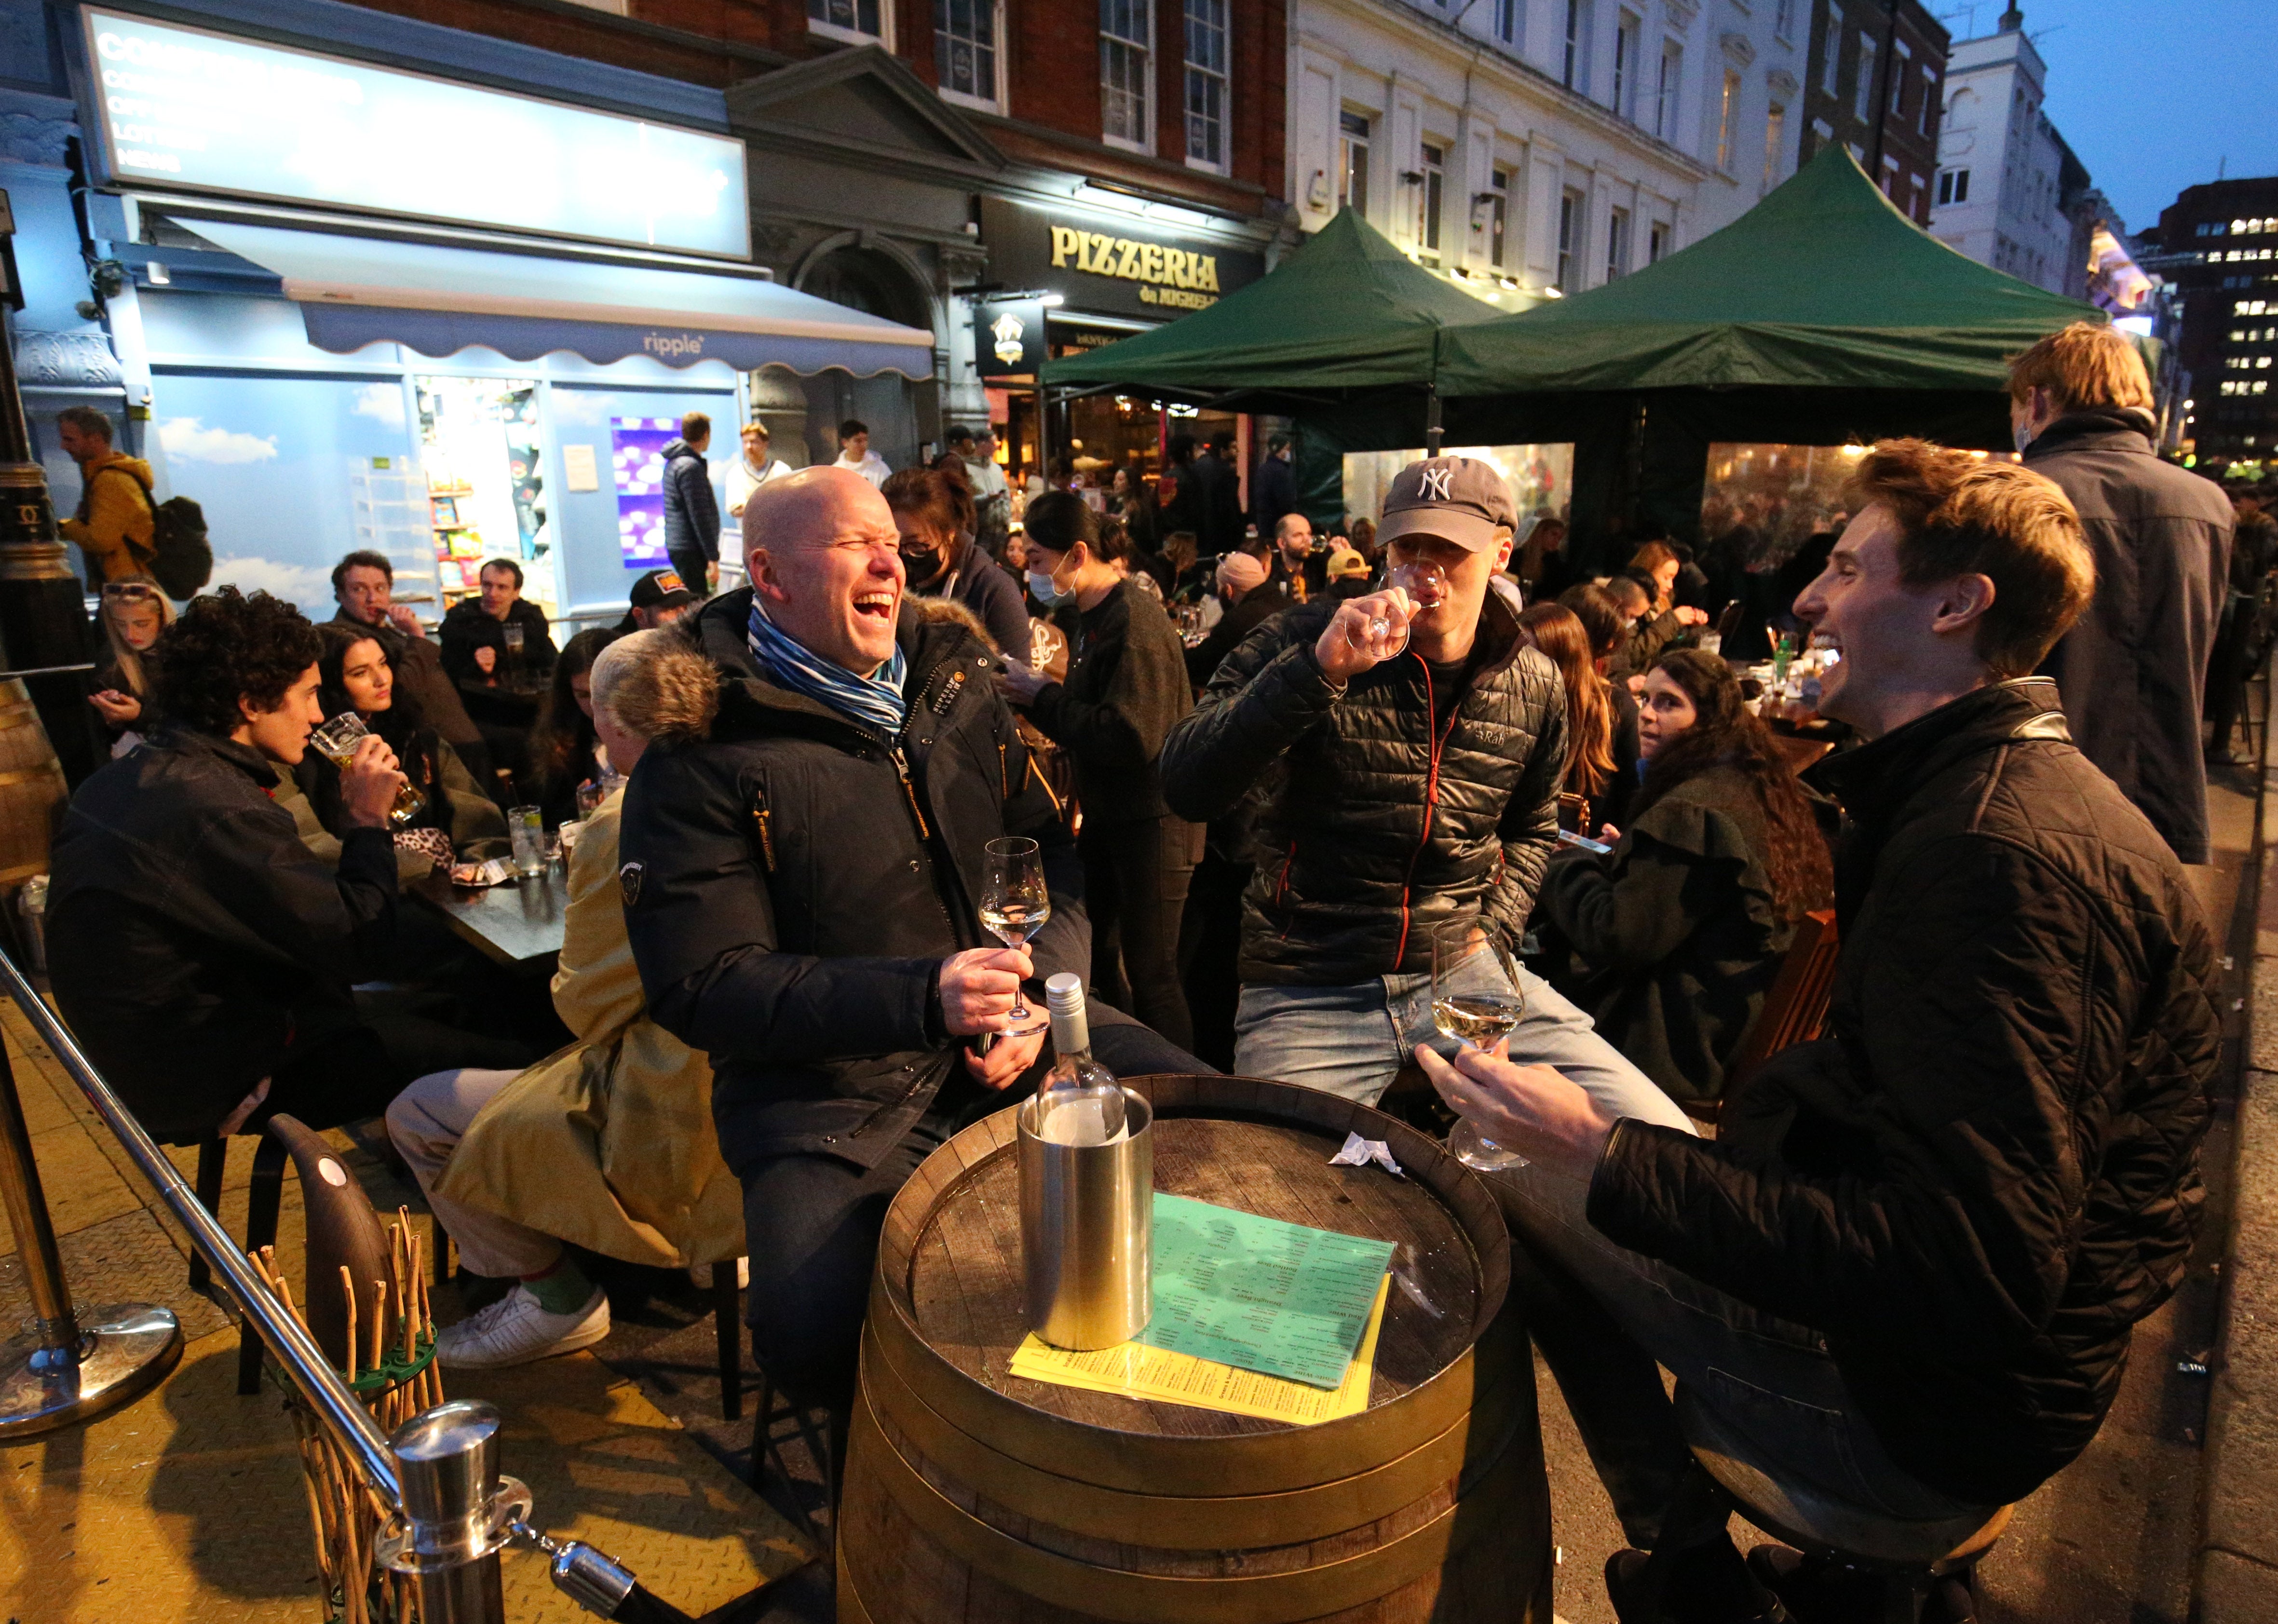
(874, 701)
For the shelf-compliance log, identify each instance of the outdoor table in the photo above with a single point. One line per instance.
(971, 1493)
(513, 924)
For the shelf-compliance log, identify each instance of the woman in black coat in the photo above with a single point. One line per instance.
(934, 511)
(1682, 928)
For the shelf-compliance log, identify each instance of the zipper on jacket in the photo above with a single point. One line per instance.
(765, 822)
(910, 791)
(1282, 889)
(1431, 803)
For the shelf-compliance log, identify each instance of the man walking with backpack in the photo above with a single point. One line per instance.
(116, 516)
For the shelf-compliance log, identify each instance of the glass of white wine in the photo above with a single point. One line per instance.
(336, 740)
(1425, 584)
(1468, 1006)
(1015, 906)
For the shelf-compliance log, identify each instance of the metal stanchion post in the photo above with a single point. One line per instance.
(458, 1512)
(67, 1367)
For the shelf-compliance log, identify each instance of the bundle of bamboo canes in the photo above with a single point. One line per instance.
(391, 1368)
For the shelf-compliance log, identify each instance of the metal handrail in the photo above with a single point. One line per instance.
(303, 1363)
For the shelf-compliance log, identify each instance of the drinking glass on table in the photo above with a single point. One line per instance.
(1424, 584)
(1015, 906)
(1468, 1007)
(589, 796)
(512, 635)
(336, 740)
(527, 825)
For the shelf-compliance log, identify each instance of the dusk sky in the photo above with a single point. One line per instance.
(2152, 98)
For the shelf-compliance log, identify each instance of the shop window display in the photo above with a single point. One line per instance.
(480, 447)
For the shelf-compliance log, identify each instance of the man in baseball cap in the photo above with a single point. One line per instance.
(658, 598)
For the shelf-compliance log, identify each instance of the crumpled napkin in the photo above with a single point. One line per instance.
(1360, 1152)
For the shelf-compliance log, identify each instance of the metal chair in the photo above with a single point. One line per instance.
(263, 1200)
(1910, 1558)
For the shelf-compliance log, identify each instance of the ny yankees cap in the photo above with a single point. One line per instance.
(1456, 498)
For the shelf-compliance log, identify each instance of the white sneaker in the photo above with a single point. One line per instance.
(517, 1329)
(700, 1275)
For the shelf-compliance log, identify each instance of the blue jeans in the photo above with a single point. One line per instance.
(1350, 1040)
(1606, 1318)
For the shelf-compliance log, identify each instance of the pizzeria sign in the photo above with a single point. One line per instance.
(1115, 269)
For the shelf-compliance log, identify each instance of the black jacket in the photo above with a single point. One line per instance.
(1126, 689)
(790, 895)
(1988, 1172)
(1377, 822)
(193, 941)
(1253, 610)
(1678, 930)
(418, 666)
(996, 600)
(1272, 493)
(1217, 512)
(691, 511)
(466, 628)
(2133, 667)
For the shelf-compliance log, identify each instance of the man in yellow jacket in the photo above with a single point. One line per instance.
(115, 521)
(607, 1143)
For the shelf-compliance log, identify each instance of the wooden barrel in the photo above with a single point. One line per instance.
(32, 789)
(973, 1495)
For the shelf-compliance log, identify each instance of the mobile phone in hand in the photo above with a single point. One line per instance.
(1598, 847)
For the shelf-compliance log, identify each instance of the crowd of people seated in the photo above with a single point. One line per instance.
(1904, 1265)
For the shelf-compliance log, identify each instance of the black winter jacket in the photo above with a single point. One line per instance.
(1989, 1171)
(1125, 690)
(1255, 607)
(1376, 823)
(419, 667)
(1678, 929)
(466, 628)
(692, 510)
(193, 941)
(790, 894)
(2133, 667)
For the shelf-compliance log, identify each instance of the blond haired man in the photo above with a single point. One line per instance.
(2132, 671)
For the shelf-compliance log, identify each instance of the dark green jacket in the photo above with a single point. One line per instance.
(1677, 930)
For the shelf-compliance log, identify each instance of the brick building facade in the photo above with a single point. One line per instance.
(1875, 82)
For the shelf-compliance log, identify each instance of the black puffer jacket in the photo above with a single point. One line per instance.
(1375, 824)
(195, 944)
(790, 895)
(1989, 1172)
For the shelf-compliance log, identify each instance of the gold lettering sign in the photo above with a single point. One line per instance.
(1178, 278)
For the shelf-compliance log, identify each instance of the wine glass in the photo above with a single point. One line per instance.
(1468, 1007)
(1425, 584)
(1015, 906)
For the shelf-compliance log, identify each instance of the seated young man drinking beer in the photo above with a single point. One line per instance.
(1906, 1271)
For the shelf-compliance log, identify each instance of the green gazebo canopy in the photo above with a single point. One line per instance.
(1347, 312)
(1823, 285)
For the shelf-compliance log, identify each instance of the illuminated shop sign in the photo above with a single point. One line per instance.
(185, 107)
(1095, 263)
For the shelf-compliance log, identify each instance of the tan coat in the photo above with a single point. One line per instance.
(607, 1143)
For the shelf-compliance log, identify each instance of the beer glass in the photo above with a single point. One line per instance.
(336, 740)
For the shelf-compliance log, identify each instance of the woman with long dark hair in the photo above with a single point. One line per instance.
(565, 749)
(1683, 926)
(354, 674)
(934, 511)
(1557, 633)
(1126, 688)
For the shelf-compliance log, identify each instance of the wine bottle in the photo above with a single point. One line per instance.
(1081, 1102)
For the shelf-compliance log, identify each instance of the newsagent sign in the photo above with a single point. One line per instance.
(1095, 263)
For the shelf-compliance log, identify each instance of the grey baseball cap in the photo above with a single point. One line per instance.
(1456, 498)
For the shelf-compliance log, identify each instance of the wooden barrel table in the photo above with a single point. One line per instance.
(32, 789)
(976, 1497)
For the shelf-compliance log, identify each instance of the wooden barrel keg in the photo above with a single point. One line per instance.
(972, 1495)
(32, 789)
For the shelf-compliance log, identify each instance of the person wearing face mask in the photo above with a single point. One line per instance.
(2132, 671)
(1126, 688)
(934, 511)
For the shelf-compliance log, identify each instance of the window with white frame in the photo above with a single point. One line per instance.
(1574, 72)
(1618, 243)
(1953, 186)
(1507, 16)
(860, 21)
(1127, 77)
(1352, 162)
(965, 50)
(1625, 64)
(1206, 82)
(1863, 91)
(1928, 104)
(1665, 90)
(1498, 215)
(1569, 234)
(1656, 242)
(1775, 134)
(1830, 53)
(1783, 20)
(1728, 117)
(1431, 198)
(1900, 57)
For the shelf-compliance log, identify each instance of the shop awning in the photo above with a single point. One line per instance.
(439, 301)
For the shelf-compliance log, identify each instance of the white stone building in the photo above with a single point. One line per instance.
(2001, 191)
(1530, 146)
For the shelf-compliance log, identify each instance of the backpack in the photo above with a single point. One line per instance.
(181, 558)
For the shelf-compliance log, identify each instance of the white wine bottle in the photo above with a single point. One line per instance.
(1081, 1102)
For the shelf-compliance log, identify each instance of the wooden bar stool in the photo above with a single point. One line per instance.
(1911, 1558)
(262, 1201)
